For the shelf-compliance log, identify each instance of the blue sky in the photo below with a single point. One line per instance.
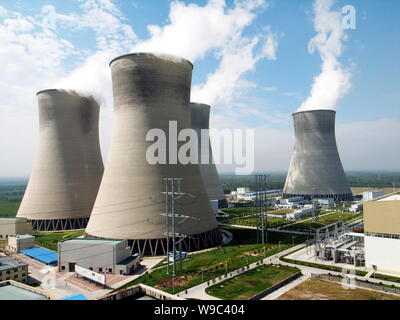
(252, 65)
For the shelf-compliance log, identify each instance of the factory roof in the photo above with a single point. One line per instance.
(390, 197)
(41, 254)
(7, 263)
(22, 236)
(9, 291)
(93, 240)
(75, 297)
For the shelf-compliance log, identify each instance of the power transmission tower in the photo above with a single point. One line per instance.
(174, 221)
(261, 199)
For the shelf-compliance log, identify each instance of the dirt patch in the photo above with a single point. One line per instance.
(173, 282)
(318, 289)
(253, 282)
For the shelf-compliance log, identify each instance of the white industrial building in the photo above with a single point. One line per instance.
(382, 233)
(13, 226)
(356, 207)
(329, 202)
(102, 256)
(372, 195)
(17, 243)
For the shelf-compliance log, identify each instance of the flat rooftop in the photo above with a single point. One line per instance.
(22, 236)
(391, 197)
(11, 292)
(7, 263)
(94, 241)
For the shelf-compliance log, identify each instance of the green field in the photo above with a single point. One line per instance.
(325, 220)
(49, 240)
(208, 265)
(250, 283)
(8, 209)
(256, 222)
(11, 193)
(249, 236)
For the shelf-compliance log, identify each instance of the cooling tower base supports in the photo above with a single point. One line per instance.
(59, 224)
(158, 247)
(336, 197)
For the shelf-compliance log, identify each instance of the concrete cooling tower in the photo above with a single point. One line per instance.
(149, 92)
(68, 168)
(316, 169)
(200, 116)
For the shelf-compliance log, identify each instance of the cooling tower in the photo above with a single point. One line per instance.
(315, 169)
(200, 116)
(68, 168)
(149, 92)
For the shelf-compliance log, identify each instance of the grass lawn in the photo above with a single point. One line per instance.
(256, 221)
(206, 266)
(49, 240)
(318, 289)
(250, 283)
(325, 220)
(8, 209)
(248, 236)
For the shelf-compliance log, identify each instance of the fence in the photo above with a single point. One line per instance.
(276, 287)
(358, 283)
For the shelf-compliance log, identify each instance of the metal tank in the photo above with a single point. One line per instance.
(200, 117)
(315, 169)
(149, 91)
(68, 167)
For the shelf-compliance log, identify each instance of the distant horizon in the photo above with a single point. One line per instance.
(377, 171)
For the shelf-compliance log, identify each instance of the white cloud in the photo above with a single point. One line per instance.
(334, 81)
(195, 30)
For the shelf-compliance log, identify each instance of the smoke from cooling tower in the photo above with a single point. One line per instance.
(334, 81)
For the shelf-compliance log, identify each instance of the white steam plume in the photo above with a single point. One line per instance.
(334, 81)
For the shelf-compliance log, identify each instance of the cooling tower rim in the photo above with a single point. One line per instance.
(315, 110)
(159, 55)
(70, 92)
(201, 104)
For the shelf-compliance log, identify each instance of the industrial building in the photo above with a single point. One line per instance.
(372, 195)
(200, 118)
(20, 242)
(150, 92)
(102, 256)
(14, 226)
(315, 169)
(12, 290)
(68, 168)
(12, 269)
(382, 233)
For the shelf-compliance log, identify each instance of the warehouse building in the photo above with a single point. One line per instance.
(382, 233)
(372, 195)
(13, 226)
(12, 269)
(20, 242)
(102, 256)
(12, 290)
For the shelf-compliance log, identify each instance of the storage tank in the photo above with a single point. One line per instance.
(149, 91)
(68, 168)
(315, 169)
(200, 117)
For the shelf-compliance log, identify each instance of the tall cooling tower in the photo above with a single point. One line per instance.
(68, 167)
(149, 91)
(200, 116)
(316, 169)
